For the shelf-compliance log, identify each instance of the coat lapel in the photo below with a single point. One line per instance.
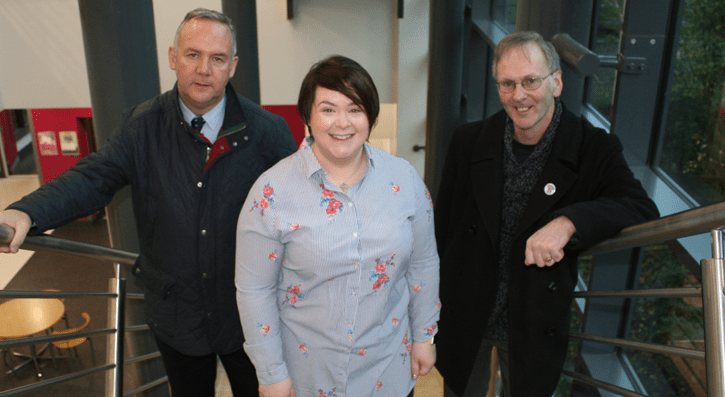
(487, 175)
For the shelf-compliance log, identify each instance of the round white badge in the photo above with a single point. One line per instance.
(550, 189)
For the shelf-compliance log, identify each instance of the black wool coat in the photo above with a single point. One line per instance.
(595, 189)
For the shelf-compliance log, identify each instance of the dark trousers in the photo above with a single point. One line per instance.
(481, 374)
(194, 376)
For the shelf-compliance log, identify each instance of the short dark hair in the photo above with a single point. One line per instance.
(344, 75)
(520, 39)
(203, 13)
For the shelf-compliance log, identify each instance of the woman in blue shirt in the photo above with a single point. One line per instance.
(337, 268)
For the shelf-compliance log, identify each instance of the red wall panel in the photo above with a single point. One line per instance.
(8, 137)
(46, 121)
(290, 114)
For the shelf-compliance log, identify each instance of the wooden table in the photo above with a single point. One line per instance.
(26, 317)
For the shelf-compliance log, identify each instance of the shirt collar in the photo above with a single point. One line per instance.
(311, 166)
(213, 119)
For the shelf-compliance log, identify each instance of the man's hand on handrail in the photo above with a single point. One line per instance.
(20, 222)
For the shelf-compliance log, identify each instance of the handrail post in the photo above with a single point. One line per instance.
(712, 294)
(116, 316)
(120, 334)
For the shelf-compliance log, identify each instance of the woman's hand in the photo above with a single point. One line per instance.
(422, 358)
(279, 389)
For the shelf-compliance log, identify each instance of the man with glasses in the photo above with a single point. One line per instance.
(522, 194)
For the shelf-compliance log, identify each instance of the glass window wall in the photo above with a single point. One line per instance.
(693, 149)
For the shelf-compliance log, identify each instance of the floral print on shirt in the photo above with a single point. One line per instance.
(328, 199)
(266, 201)
(264, 329)
(408, 347)
(330, 393)
(429, 211)
(296, 295)
(378, 274)
(430, 331)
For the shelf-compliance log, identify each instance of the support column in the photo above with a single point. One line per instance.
(244, 17)
(444, 84)
(120, 46)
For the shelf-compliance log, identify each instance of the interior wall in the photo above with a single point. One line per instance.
(360, 30)
(412, 81)
(168, 14)
(42, 62)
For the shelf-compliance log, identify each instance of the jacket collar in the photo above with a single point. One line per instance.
(234, 118)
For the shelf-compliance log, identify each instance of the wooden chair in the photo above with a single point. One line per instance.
(75, 342)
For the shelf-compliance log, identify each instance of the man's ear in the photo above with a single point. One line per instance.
(558, 83)
(233, 67)
(172, 58)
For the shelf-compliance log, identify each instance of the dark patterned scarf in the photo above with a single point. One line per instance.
(519, 179)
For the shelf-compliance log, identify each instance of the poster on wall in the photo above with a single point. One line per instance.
(47, 144)
(69, 143)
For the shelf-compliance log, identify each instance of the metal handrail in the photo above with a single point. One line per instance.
(54, 294)
(52, 338)
(602, 385)
(147, 386)
(56, 381)
(710, 219)
(64, 246)
(689, 292)
(60, 245)
(688, 223)
(143, 358)
(683, 352)
(684, 224)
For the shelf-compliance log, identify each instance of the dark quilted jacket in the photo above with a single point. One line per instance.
(186, 199)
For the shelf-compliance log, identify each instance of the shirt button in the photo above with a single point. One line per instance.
(221, 147)
(357, 265)
(349, 204)
(199, 184)
(203, 232)
(246, 138)
(354, 234)
(354, 293)
(209, 315)
(203, 275)
(234, 144)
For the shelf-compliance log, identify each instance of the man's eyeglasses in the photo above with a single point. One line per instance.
(529, 84)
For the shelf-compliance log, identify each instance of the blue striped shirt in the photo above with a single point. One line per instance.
(334, 287)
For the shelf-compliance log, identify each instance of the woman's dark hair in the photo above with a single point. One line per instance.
(344, 75)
